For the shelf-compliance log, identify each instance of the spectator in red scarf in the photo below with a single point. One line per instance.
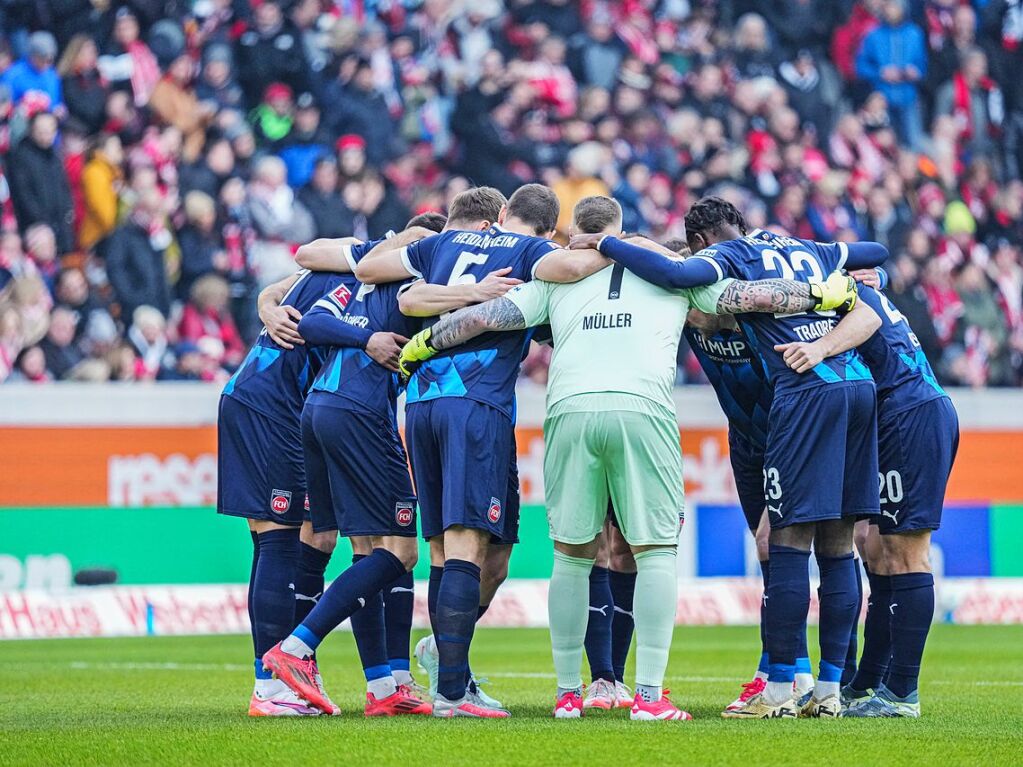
(975, 102)
(790, 213)
(206, 316)
(128, 63)
(948, 49)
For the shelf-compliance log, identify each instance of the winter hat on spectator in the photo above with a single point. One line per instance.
(350, 141)
(42, 45)
(34, 102)
(166, 41)
(218, 52)
(236, 130)
(306, 101)
(958, 219)
(186, 347)
(275, 91)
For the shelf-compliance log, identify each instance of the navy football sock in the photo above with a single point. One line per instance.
(837, 615)
(353, 589)
(877, 642)
(399, 601)
(371, 637)
(481, 612)
(802, 651)
(252, 588)
(912, 609)
(765, 574)
(850, 657)
(436, 573)
(312, 564)
(623, 590)
(788, 601)
(273, 597)
(598, 626)
(458, 602)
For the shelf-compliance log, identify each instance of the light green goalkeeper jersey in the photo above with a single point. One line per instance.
(613, 333)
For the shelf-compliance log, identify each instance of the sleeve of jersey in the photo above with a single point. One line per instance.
(664, 272)
(706, 298)
(851, 255)
(531, 300)
(322, 326)
(537, 253)
(882, 275)
(416, 257)
(353, 252)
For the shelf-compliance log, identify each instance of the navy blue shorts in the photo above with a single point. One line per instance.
(916, 450)
(513, 501)
(821, 456)
(260, 474)
(460, 452)
(747, 461)
(358, 472)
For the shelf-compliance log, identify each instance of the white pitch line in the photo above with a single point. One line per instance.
(84, 666)
(170, 666)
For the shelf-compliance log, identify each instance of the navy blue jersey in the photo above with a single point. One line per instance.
(274, 381)
(738, 378)
(485, 368)
(762, 256)
(901, 371)
(351, 373)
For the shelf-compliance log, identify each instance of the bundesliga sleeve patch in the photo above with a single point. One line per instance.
(404, 513)
(341, 295)
(280, 501)
(494, 512)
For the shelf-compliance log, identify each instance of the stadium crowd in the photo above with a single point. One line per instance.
(162, 159)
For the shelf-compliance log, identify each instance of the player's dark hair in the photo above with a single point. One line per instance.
(535, 205)
(711, 214)
(595, 214)
(678, 245)
(431, 220)
(481, 203)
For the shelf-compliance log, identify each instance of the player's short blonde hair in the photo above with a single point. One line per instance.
(595, 214)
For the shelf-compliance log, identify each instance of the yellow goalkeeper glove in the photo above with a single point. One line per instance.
(836, 292)
(415, 352)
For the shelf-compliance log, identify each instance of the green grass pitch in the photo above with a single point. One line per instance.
(180, 701)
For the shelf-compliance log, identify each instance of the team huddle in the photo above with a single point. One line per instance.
(837, 431)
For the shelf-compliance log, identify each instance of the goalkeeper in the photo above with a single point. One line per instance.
(611, 430)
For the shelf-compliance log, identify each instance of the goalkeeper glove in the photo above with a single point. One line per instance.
(836, 292)
(416, 351)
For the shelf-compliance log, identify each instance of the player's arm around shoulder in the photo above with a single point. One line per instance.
(424, 299)
(854, 329)
(394, 258)
(281, 322)
(564, 265)
(327, 254)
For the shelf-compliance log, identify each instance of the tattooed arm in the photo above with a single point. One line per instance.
(528, 309)
(466, 324)
(777, 296)
(787, 296)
